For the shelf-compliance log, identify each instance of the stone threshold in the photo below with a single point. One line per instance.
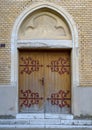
(44, 116)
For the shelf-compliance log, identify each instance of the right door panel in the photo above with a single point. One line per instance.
(57, 82)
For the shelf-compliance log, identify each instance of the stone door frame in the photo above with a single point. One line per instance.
(70, 44)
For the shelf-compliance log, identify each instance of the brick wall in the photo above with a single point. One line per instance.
(80, 10)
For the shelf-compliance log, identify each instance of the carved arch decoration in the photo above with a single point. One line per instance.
(17, 36)
(43, 24)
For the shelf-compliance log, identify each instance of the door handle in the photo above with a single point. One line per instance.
(42, 81)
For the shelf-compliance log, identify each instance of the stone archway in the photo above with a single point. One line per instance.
(39, 43)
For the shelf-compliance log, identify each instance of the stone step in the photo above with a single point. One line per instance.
(45, 116)
(45, 127)
(44, 123)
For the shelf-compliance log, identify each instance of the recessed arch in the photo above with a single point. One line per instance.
(44, 23)
(74, 45)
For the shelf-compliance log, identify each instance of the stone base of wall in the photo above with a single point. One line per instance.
(8, 100)
(81, 101)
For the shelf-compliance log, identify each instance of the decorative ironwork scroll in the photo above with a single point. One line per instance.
(60, 99)
(29, 98)
(61, 65)
(29, 65)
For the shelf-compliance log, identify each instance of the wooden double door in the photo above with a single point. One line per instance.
(44, 81)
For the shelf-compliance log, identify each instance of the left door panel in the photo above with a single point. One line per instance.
(31, 89)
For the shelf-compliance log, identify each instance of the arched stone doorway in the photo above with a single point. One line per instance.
(45, 27)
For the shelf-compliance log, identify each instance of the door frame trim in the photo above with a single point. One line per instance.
(74, 46)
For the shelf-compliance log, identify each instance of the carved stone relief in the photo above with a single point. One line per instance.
(44, 25)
